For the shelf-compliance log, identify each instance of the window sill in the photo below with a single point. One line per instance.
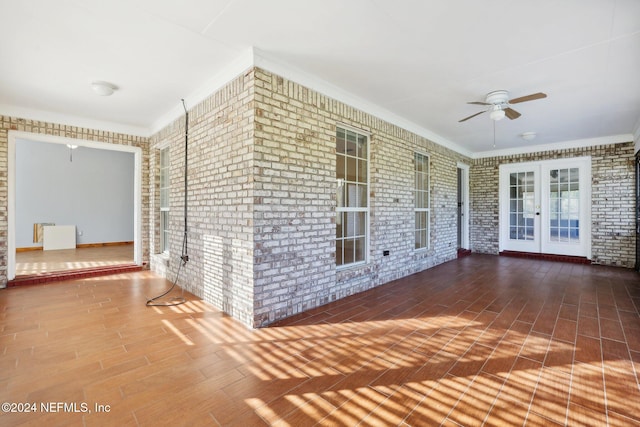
(351, 266)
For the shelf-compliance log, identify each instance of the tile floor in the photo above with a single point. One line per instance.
(482, 340)
(36, 262)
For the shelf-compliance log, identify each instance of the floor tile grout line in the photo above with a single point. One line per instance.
(573, 364)
(468, 349)
(443, 375)
(541, 363)
(626, 342)
(462, 394)
(604, 380)
(510, 369)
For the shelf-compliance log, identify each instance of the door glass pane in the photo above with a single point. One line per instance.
(564, 205)
(521, 206)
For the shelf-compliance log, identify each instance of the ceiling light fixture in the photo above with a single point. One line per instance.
(497, 113)
(103, 88)
(528, 136)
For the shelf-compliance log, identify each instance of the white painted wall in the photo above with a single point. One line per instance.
(95, 192)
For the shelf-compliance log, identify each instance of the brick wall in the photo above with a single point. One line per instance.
(220, 199)
(295, 200)
(612, 193)
(262, 198)
(33, 126)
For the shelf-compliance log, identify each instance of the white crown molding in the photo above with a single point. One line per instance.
(69, 120)
(563, 145)
(272, 64)
(244, 62)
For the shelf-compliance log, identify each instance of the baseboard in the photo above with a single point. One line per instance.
(29, 249)
(547, 257)
(78, 246)
(463, 252)
(100, 245)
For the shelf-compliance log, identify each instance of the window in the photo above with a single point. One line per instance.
(422, 199)
(164, 200)
(352, 211)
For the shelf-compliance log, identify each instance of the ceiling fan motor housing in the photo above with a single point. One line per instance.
(498, 97)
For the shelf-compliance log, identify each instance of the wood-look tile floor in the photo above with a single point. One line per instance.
(35, 262)
(483, 340)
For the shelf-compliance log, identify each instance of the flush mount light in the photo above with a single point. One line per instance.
(103, 88)
(528, 136)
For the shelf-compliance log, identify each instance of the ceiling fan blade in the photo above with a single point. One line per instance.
(511, 113)
(531, 97)
(470, 117)
(478, 103)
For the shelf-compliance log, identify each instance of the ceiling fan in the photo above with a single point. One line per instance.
(499, 104)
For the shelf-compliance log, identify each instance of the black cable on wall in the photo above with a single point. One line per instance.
(184, 257)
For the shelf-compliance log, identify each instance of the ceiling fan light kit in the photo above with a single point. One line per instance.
(497, 113)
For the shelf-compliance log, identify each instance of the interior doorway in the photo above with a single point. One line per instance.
(15, 136)
(545, 207)
(638, 211)
(463, 207)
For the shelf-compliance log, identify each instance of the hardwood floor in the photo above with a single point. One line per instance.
(35, 262)
(479, 340)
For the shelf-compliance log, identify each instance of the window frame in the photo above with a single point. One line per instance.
(345, 209)
(425, 158)
(164, 210)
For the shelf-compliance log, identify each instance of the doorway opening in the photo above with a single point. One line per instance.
(463, 210)
(89, 257)
(637, 161)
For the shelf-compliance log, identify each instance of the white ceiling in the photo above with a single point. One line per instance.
(414, 62)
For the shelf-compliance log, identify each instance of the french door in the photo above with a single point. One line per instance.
(545, 207)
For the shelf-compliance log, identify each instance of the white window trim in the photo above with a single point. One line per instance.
(427, 209)
(164, 246)
(367, 237)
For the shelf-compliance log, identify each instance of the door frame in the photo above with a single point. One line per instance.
(55, 139)
(542, 182)
(464, 221)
